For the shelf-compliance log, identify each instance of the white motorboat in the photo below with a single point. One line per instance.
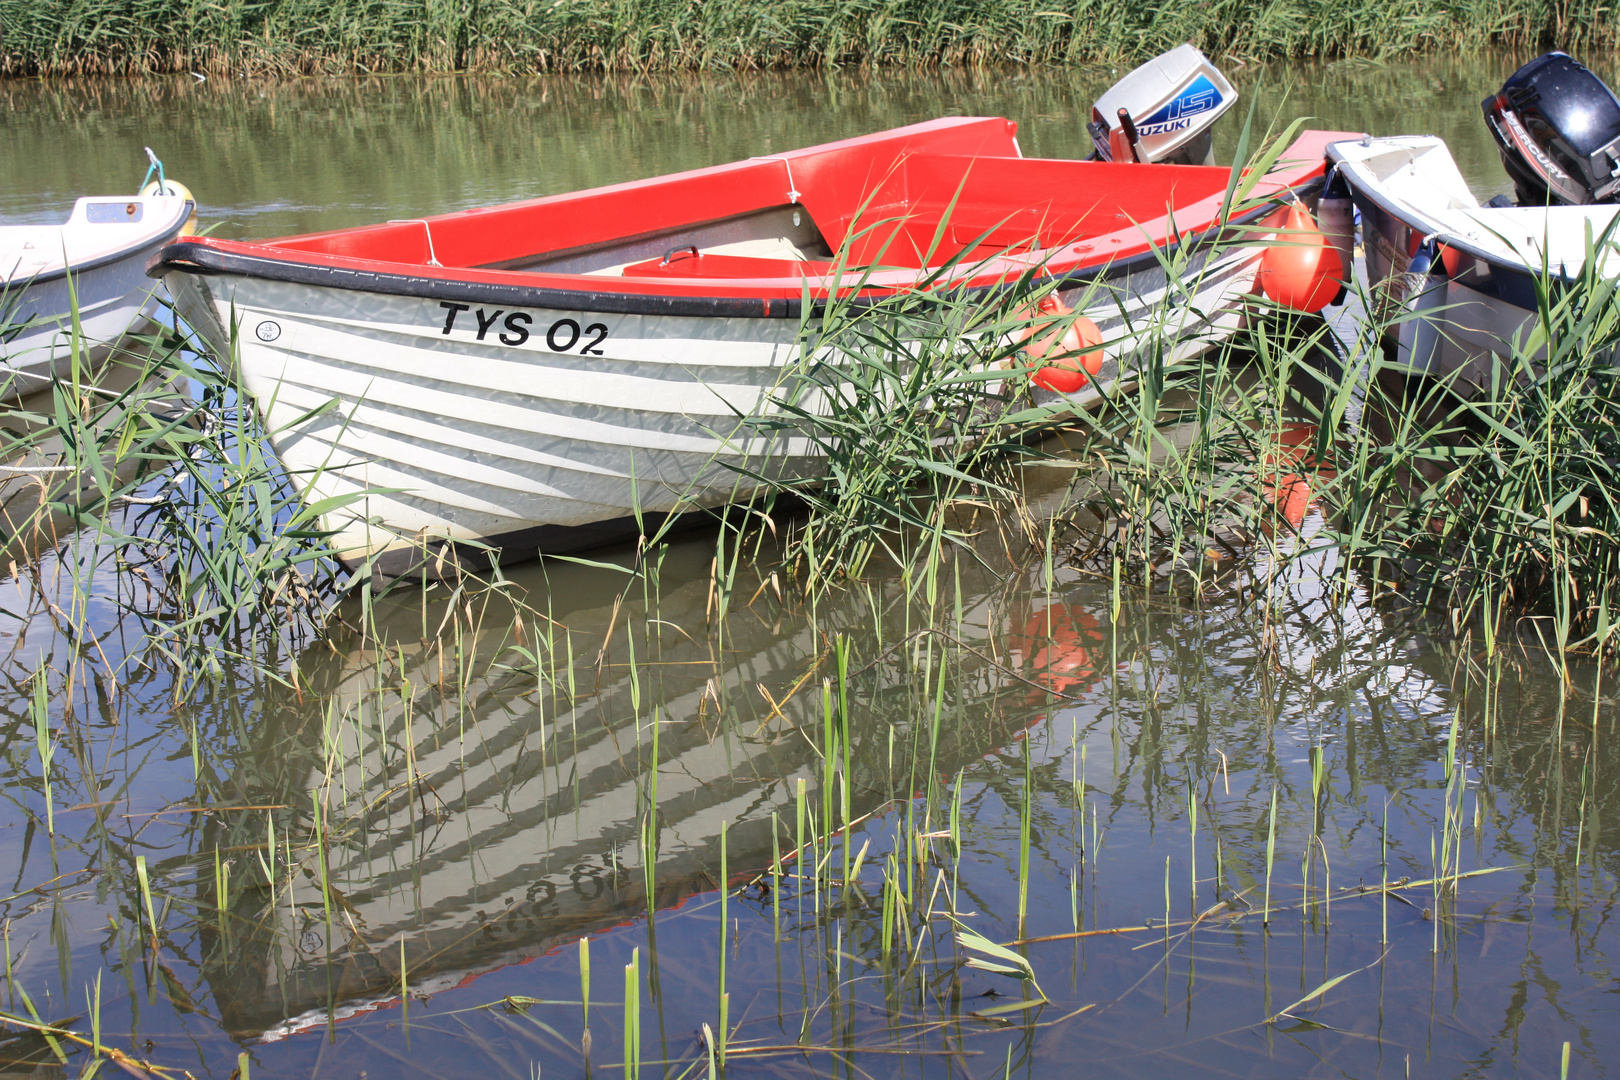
(1469, 273)
(91, 268)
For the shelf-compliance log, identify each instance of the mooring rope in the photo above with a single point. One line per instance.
(38, 468)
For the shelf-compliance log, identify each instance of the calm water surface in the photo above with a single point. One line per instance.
(381, 861)
(269, 159)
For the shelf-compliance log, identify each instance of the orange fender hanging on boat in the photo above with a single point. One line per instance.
(1069, 354)
(1302, 269)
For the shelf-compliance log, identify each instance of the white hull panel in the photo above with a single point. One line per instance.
(481, 439)
(490, 424)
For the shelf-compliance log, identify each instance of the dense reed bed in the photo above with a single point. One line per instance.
(150, 485)
(292, 37)
(1490, 504)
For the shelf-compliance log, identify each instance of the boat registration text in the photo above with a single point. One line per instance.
(516, 327)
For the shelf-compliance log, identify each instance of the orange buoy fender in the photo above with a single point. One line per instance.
(1301, 269)
(1069, 354)
(1452, 260)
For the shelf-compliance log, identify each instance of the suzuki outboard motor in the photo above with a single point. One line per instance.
(1162, 111)
(1558, 128)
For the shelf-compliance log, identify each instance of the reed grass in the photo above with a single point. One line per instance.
(44, 741)
(585, 1001)
(901, 398)
(167, 485)
(300, 37)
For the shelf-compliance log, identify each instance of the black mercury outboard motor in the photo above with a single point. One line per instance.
(1558, 127)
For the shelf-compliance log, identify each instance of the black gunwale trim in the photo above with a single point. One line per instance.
(161, 238)
(196, 258)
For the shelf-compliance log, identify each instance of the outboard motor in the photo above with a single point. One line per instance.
(1163, 111)
(1558, 127)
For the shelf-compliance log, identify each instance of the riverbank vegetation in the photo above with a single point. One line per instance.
(1284, 450)
(350, 37)
(997, 710)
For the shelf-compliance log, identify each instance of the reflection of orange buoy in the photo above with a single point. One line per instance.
(1301, 269)
(1290, 492)
(1068, 353)
(1056, 642)
(1292, 497)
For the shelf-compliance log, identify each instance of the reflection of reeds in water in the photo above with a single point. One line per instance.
(640, 35)
(406, 146)
(374, 898)
(467, 811)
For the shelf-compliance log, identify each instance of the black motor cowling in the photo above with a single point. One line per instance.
(1558, 127)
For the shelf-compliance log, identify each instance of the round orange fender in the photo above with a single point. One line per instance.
(1452, 259)
(1301, 269)
(1068, 355)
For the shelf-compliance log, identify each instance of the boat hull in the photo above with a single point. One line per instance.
(1462, 326)
(1476, 303)
(108, 289)
(545, 430)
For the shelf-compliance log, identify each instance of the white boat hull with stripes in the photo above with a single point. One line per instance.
(533, 378)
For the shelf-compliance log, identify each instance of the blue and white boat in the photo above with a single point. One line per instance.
(1469, 274)
(93, 264)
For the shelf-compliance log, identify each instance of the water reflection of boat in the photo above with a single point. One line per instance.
(504, 820)
(78, 286)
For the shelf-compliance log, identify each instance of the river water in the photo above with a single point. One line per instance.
(1225, 816)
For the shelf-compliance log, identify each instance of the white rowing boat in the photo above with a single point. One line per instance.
(87, 274)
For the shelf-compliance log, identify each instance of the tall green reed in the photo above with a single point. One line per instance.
(350, 36)
(162, 479)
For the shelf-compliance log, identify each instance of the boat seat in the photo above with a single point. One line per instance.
(688, 263)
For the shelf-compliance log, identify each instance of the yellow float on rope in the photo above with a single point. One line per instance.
(175, 187)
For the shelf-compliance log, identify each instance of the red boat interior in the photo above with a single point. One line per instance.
(906, 198)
